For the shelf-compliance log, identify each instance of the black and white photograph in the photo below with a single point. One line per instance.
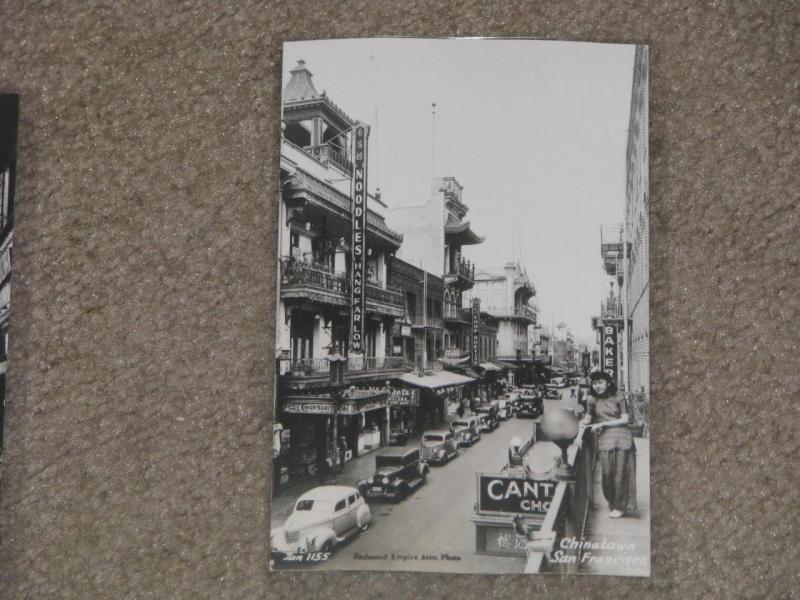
(9, 125)
(462, 329)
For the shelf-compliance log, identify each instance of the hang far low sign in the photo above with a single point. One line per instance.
(358, 254)
(517, 495)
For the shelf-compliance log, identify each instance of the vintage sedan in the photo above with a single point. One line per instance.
(503, 409)
(438, 447)
(487, 423)
(322, 518)
(398, 472)
(530, 407)
(466, 430)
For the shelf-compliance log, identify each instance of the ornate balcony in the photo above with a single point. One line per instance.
(522, 312)
(299, 373)
(461, 274)
(387, 301)
(330, 155)
(417, 321)
(300, 279)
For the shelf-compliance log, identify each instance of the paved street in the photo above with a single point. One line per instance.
(435, 520)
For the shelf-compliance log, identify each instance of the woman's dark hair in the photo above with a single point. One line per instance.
(610, 391)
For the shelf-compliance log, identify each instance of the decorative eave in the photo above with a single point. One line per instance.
(300, 108)
(302, 186)
(461, 233)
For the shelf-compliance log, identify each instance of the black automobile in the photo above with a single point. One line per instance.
(487, 415)
(398, 472)
(530, 407)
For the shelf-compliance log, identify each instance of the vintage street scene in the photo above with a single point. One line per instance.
(462, 327)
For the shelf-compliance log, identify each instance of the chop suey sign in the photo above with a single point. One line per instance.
(514, 495)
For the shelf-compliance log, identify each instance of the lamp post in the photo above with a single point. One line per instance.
(337, 384)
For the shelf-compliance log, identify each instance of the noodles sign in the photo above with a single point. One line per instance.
(358, 254)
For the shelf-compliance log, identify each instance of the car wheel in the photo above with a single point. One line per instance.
(327, 546)
(364, 527)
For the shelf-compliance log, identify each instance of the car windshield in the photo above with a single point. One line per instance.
(321, 506)
(388, 461)
(433, 439)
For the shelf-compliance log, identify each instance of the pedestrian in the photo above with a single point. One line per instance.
(460, 410)
(606, 413)
(572, 393)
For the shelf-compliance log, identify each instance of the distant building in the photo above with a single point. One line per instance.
(509, 295)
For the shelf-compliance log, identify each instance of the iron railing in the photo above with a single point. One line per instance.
(309, 367)
(431, 322)
(295, 272)
(387, 295)
(329, 154)
(462, 268)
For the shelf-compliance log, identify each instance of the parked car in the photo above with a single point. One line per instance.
(398, 437)
(503, 409)
(398, 472)
(487, 424)
(322, 518)
(530, 407)
(559, 382)
(467, 430)
(552, 394)
(438, 447)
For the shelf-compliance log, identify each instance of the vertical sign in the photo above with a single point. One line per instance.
(610, 350)
(476, 332)
(358, 254)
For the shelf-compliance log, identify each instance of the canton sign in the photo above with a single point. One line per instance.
(476, 332)
(517, 495)
(610, 350)
(358, 254)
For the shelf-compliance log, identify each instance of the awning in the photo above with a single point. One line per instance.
(489, 366)
(508, 365)
(455, 361)
(439, 379)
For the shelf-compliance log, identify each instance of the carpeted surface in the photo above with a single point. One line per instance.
(137, 457)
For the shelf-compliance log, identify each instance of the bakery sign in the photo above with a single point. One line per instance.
(358, 240)
(516, 495)
(610, 350)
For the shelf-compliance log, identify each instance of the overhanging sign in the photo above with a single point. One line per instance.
(358, 254)
(517, 495)
(404, 397)
(610, 350)
(476, 331)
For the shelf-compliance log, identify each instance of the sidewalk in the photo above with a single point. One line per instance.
(633, 532)
(354, 470)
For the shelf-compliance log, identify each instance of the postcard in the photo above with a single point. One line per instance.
(462, 327)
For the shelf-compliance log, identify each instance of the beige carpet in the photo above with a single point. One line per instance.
(137, 458)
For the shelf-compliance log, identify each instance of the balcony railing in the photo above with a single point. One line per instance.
(431, 322)
(462, 268)
(508, 312)
(329, 154)
(295, 272)
(309, 367)
(387, 295)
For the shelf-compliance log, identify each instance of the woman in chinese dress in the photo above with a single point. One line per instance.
(607, 414)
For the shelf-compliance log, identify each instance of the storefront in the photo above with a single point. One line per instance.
(440, 395)
(314, 434)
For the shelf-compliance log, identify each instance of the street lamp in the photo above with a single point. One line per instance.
(336, 373)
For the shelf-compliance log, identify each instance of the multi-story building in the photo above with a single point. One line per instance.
(318, 425)
(509, 295)
(435, 235)
(637, 230)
